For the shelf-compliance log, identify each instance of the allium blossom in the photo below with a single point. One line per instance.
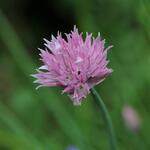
(73, 63)
(131, 117)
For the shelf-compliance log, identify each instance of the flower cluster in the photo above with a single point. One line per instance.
(75, 64)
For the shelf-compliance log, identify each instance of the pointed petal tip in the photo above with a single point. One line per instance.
(110, 46)
(38, 87)
(75, 103)
(43, 67)
(33, 75)
(45, 40)
(36, 81)
(99, 34)
(41, 50)
(75, 29)
(111, 70)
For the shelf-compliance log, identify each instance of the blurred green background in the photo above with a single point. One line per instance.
(45, 119)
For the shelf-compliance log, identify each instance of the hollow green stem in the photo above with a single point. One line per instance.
(106, 118)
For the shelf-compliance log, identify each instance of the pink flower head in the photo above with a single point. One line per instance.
(75, 64)
(131, 117)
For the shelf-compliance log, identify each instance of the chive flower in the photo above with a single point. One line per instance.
(74, 63)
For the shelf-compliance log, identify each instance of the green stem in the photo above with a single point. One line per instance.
(106, 118)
